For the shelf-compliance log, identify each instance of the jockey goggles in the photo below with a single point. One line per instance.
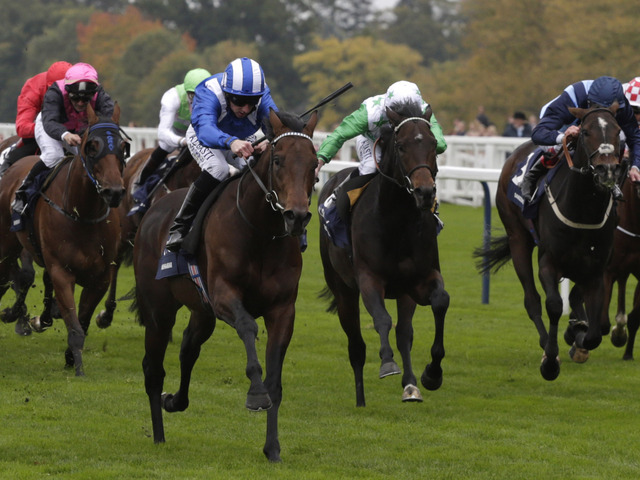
(242, 100)
(80, 97)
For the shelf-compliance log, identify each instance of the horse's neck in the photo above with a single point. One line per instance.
(576, 194)
(251, 200)
(79, 194)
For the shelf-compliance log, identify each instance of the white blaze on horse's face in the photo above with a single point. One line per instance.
(604, 148)
(419, 137)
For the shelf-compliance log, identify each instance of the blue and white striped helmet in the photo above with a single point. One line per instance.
(244, 77)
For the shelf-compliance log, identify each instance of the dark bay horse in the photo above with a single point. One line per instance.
(574, 226)
(75, 228)
(394, 253)
(250, 264)
(625, 261)
(177, 178)
(22, 276)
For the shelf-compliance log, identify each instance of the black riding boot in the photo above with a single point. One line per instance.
(528, 185)
(20, 202)
(198, 192)
(156, 158)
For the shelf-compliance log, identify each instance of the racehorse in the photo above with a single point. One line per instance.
(179, 176)
(22, 275)
(74, 230)
(574, 231)
(624, 262)
(250, 264)
(393, 254)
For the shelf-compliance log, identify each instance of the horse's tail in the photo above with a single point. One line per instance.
(127, 257)
(494, 256)
(133, 307)
(327, 294)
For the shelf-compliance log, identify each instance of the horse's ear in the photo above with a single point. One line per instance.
(116, 114)
(276, 124)
(311, 124)
(614, 108)
(577, 112)
(91, 115)
(427, 113)
(393, 116)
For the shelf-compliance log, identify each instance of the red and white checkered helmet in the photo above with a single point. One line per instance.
(632, 92)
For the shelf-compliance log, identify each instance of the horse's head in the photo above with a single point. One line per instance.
(103, 153)
(292, 164)
(598, 145)
(409, 157)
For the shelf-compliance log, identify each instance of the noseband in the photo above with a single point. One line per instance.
(108, 141)
(408, 185)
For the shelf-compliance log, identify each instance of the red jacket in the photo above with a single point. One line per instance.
(30, 104)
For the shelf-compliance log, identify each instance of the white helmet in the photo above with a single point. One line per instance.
(402, 92)
(632, 92)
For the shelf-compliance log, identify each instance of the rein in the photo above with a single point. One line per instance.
(270, 195)
(408, 185)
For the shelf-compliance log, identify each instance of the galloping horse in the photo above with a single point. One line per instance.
(250, 264)
(624, 262)
(176, 178)
(394, 253)
(75, 229)
(22, 276)
(574, 227)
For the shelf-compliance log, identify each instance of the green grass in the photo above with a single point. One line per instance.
(494, 416)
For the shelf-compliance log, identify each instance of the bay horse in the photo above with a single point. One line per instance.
(393, 254)
(22, 276)
(250, 264)
(178, 177)
(574, 228)
(75, 228)
(625, 261)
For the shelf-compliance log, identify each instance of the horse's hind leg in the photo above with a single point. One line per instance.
(105, 317)
(406, 307)
(198, 331)
(619, 332)
(45, 320)
(633, 322)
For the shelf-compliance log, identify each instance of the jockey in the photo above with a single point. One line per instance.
(29, 106)
(632, 92)
(228, 109)
(556, 122)
(62, 119)
(365, 124)
(175, 117)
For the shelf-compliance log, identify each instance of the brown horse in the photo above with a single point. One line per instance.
(75, 228)
(394, 253)
(574, 227)
(250, 265)
(624, 262)
(179, 176)
(21, 277)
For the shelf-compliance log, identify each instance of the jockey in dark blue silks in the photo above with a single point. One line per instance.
(556, 122)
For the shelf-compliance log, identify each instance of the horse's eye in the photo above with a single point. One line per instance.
(276, 160)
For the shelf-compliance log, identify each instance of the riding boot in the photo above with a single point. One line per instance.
(156, 158)
(528, 185)
(197, 193)
(19, 204)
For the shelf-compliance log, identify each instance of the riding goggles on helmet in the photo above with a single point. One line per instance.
(242, 100)
(80, 97)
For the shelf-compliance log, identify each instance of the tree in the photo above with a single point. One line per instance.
(372, 65)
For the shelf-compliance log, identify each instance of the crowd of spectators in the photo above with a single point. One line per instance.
(517, 125)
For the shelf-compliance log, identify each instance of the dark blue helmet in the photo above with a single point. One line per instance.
(604, 91)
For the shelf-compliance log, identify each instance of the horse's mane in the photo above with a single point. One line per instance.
(290, 120)
(405, 109)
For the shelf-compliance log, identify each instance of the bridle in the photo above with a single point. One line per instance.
(270, 195)
(407, 183)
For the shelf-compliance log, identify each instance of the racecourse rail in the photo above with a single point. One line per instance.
(468, 171)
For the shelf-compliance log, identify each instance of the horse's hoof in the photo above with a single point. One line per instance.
(103, 320)
(619, 336)
(578, 355)
(6, 316)
(22, 327)
(548, 369)
(569, 336)
(38, 326)
(258, 402)
(431, 378)
(389, 368)
(411, 394)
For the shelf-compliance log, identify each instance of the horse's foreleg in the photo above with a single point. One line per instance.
(373, 300)
(578, 320)
(619, 332)
(105, 317)
(406, 308)
(439, 299)
(198, 331)
(633, 322)
(279, 324)
(593, 295)
(45, 320)
(247, 329)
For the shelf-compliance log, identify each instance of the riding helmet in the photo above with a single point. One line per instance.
(604, 91)
(243, 77)
(194, 77)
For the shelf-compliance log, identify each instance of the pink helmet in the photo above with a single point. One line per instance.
(632, 92)
(57, 72)
(81, 78)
